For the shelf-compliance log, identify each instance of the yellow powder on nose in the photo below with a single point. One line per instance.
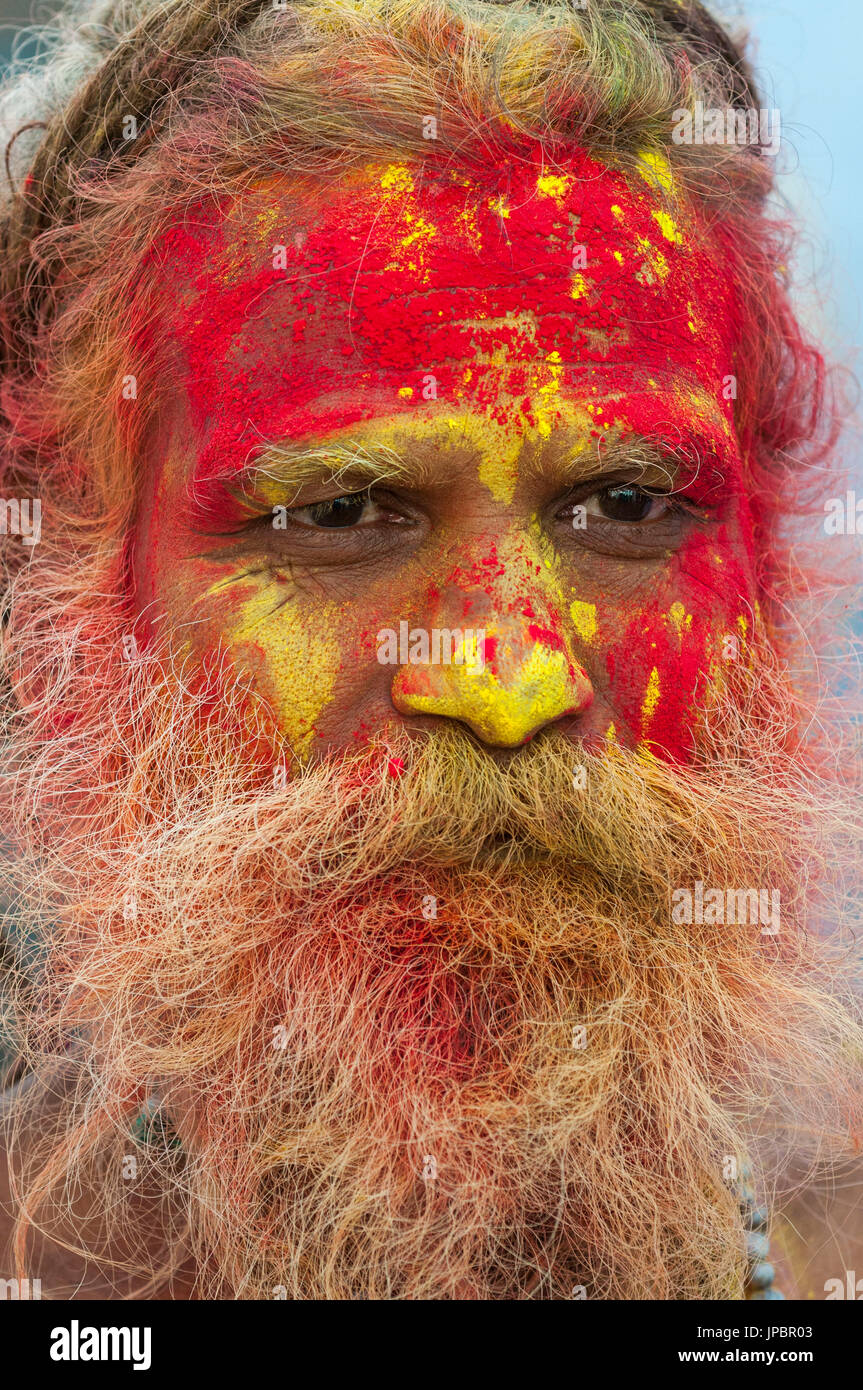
(541, 690)
(406, 392)
(584, 619)
(579, 285)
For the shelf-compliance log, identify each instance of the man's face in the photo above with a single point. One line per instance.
(479, 390)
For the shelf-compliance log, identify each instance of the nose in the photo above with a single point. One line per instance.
(505, 681)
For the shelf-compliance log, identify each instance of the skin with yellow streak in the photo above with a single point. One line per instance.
(297, 657)
(584, 619)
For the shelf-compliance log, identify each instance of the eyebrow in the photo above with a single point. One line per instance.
(351, 464)
(669, 462)
(597, 457)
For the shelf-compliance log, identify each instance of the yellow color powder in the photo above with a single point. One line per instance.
(651, 698)
(299, 655)
(655, 169)
(504, 714)
(397, 178)
(656, 262)
(680, 618)
(584, 619)
(667, 225)
(553, 186)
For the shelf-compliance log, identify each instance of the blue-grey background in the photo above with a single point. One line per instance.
(807, 59)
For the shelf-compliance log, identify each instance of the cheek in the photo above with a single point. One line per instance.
(676, 643)
(288, 644)
(295, 657)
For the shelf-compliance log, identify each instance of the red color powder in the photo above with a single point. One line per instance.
(394, 283)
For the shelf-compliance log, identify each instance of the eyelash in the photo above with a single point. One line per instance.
(676, 502)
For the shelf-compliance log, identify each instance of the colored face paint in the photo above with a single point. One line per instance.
(508, 306)
(306, 315)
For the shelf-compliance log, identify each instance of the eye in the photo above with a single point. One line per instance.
(629, 503)
(354, 509)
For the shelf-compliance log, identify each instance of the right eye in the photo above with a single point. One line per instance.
(628, 502)
(353, 509)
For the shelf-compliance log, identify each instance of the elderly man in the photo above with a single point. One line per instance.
(427, 877)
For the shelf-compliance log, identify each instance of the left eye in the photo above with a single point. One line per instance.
(350, 510)
(627, 502)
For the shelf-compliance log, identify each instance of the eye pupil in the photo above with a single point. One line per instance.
(625, 503)
(340, 511)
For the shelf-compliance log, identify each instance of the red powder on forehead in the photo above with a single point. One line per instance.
(400, 277)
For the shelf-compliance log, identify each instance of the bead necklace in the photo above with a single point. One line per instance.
(759, 1271)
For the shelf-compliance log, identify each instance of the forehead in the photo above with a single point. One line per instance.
(527, 294)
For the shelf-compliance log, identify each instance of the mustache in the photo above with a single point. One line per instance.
(440, 801)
